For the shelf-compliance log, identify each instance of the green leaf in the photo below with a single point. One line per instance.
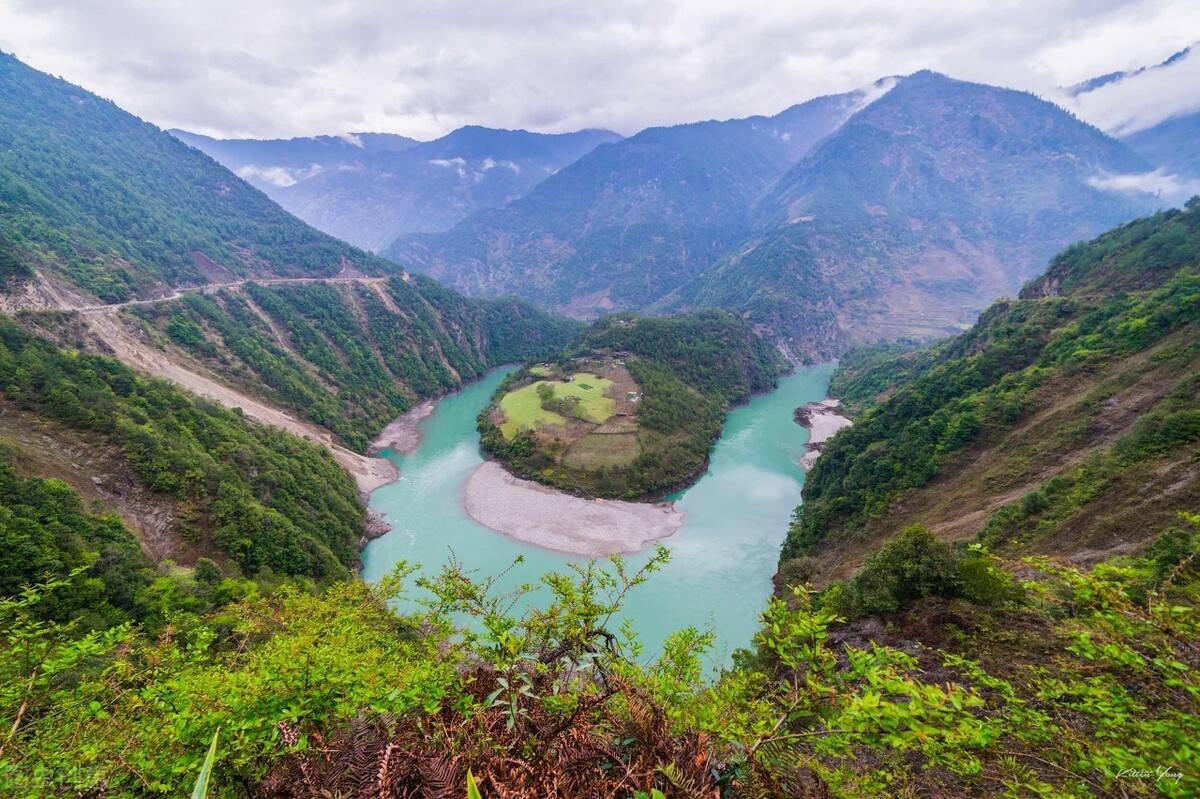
(201, 789)
(472, 788)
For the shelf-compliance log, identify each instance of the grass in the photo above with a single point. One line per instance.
(602, 449)
(523, 409)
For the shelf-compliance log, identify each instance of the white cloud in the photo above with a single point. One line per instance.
(275, 69)
(458, 164)
(277, 175)
(352, 139)
(1145, 99)
(870, 94)
(1171, 189)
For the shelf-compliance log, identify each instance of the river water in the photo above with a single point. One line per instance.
(719, 576)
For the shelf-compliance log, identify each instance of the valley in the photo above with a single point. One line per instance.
(848, 451)
(723, 531)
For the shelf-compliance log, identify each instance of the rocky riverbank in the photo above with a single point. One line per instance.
(823, 422)
(404, 434)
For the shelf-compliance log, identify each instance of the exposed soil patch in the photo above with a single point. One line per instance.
(100, 474)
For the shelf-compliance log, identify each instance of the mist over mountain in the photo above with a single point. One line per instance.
(369, 188)
(1146, 110)
(273, 164)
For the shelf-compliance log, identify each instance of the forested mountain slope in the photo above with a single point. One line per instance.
(631, 221)
(118, 208)
(915, 214)
(97, 201)
(1066, 421)
(253, 496)
(350, 357)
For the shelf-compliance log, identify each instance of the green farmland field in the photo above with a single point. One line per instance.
(523, 409)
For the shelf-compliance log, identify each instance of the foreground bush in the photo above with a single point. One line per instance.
(1083, 687)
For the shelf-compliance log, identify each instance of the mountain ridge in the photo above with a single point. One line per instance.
(615, 230)
(371, 195)
(668, 199)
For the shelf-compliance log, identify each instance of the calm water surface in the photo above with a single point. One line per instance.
(722, 560)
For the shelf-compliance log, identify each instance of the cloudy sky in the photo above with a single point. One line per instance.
(268, 69)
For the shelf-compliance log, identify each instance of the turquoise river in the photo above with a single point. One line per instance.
(719, 576)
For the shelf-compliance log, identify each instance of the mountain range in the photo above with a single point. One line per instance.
(369, 188)
(878, 213)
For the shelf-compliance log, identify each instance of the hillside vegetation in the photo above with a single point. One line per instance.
(1070, 684)
(631, 408)
(254, 496)
(350, 357)
(120, 208)
(1067, 421)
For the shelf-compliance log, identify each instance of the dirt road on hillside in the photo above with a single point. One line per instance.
(105, 323)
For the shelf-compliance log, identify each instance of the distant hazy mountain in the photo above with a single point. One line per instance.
(433, 185)
(369, 188)
(900, 210)
(1173, 145)
(926, 205)
(1156, 111)
(1092, 84)
(272, 164)
(631, 221)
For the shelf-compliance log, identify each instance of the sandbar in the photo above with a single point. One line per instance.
(538, 515)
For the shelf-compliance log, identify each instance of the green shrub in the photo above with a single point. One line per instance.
(914, 565)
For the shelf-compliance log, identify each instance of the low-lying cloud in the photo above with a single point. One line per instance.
(1171, 189)
(281, 176)
(1142, 100)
